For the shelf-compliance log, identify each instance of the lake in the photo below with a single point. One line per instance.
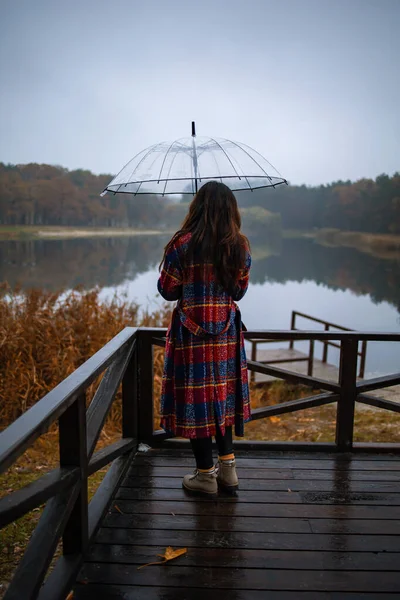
(340, 285)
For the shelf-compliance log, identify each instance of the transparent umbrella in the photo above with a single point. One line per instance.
(183, 166)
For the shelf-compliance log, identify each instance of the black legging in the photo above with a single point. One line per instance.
(202, 448)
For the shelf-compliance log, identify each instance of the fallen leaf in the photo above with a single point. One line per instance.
(289, 490)
(70, 596)
(274, 419)
(169, 554)
(118, 509)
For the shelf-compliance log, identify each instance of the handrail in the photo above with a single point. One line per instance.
(316, 320)
(345, 393)
(327, 324)
(68, 512)
(36, 420)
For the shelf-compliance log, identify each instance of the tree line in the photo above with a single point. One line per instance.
(35, 194)
(366, 205)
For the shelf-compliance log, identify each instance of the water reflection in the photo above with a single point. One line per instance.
(61, 264)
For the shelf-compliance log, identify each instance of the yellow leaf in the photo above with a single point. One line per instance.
(169, 554)
(274, 419)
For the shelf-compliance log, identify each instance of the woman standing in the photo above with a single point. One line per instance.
(205, 385)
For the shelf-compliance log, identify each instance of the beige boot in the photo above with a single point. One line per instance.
(201, 484)
(227, 478)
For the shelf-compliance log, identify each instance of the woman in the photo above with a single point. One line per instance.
(205, 386)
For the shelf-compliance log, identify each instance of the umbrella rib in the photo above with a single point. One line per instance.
(260, 155)
(217, 165)
(227, 156)
(169, 170)
(253, 159)
(129, 161)
(163, 162)
(142, 159)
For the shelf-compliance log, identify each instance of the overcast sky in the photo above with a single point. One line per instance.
(314, 85)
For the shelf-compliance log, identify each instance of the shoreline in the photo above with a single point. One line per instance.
(381, 245)
(19, 233)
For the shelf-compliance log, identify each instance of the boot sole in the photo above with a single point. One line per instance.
(229, 489)
(200, 492)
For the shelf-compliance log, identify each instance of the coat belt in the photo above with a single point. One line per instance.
(234, 315)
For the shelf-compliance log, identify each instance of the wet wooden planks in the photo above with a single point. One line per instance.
(303, 527)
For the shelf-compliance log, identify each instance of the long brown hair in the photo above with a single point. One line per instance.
(214, 222)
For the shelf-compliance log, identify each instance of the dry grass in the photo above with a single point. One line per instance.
(44, 337)
(381, 245)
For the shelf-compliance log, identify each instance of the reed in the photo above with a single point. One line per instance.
(45, 336)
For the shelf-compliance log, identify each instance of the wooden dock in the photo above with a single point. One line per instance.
(321, 370)
(312, 521)
(302, 527)
(277, 357)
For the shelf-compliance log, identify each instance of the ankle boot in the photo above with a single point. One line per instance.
(201, 484)
(227, 477)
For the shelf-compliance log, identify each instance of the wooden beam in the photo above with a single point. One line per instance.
(34, 422)
(100, 405)
(348, 395)
(293, 406)
(106, 455)
(378, 383)
(15, 505)
(312, 382)
(73, 453)
(379, 402)
(33, 566)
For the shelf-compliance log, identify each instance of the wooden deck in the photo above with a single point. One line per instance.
(303, 527)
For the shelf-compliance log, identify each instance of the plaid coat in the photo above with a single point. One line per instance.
(205, 372)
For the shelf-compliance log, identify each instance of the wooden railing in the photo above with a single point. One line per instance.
(311, 351)
(67, 513)
(346, 392)
(328, 326)
(128, 358)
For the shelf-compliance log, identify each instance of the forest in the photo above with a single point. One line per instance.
(36, 194)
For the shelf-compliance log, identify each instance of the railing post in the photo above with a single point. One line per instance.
(325, 352)
(311, 358)
(145, 386)
(363, 359)
(73, 453)
(253, 357)
(130, 399)
(348, 394)
(292, 326)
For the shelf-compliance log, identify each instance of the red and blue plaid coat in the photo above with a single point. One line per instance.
(205, 372)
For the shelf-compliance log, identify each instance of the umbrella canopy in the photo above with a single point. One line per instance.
(183, 166)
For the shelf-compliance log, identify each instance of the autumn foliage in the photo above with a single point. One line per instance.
(45, 336)
(35, 194)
